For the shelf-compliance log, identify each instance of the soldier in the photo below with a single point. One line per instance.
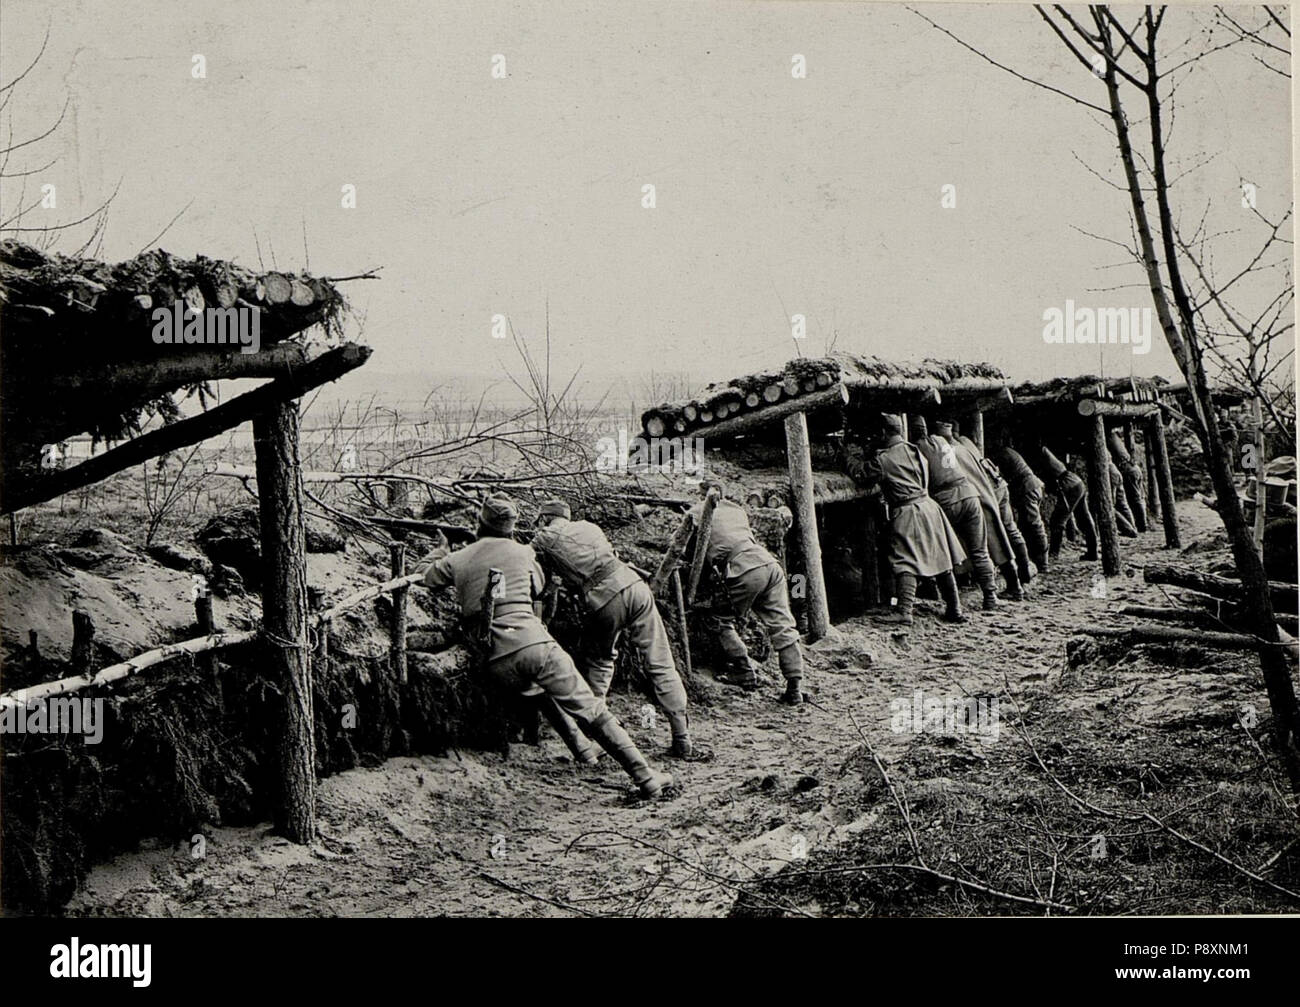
(922, 542)
(991, 475)
(1071, 500)
(753, 580)
(961, 504)
(618, 602)
(1027, 489)
(518, 651)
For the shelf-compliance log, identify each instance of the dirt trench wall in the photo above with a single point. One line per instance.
(181, 751)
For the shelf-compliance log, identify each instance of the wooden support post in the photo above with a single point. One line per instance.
(1128, 436)
(83, 640)
(975, 422)
(702, 534)
(1148, 460)
(799, 459)
(1103, 503)
(683, 620)
(399, 496)
(284, 613)
(397, 628)
(321, 655)
(34, 644)
(1164, 480)
(871, 554)
(206, 622)
(676, 550)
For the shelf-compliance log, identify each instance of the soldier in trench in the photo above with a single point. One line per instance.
(619, 605)
(517, 650)
(922, 542)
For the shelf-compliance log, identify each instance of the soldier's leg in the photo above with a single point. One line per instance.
(584, 752)
(952, 597)
(1123, 515)
(645, 629)
(553, 669)
(600, 646)
(1060, 515)
(1036, 534)
(1084, 517)
(905, 582)
(772, 606)
(968, 522)
(1018, 545)
(740, 669)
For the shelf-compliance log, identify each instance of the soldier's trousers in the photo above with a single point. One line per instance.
(631, 614)
(967, 520)
(1124, 514)
(548, 666)
(1030, 500)
(761, 590)
(1072, 500)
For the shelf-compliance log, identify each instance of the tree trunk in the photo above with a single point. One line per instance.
(284, 613)
(1164, 481)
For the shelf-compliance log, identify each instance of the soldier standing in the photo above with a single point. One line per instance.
(922, 542)
(618, 603)
(516, 648)
(1027, 489)
(753, 580)
(960, 501)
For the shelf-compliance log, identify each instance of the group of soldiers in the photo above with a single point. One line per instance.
(948, 504)
(500, 585)
(951, 505)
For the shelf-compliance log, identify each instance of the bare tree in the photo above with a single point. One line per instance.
(1191, 300)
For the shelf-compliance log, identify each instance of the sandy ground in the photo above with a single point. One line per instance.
(475, 834)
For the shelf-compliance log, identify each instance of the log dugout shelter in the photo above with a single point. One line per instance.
(78, 355)
(782, 433)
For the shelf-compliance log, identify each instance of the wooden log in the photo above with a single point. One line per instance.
(691, 411)
(1107, 407)
(1164, 480)
(683, 623)
(772, 393)
(327, 367)
(1148, 461)
(752, 399)
(1103, 502)
(654, 425)
(975, 428)
(824, 379)
(279, 288)
(754, 500)
(750, 421)
(790, 385)
(116, 672)
(799, 459)
(1131, 477)
(83, 639)
(702, 534)
(300, 293)
(676, 550)
(397, 625)
(284, 614)
(1178, 634)
(706, 415)
(1284, 595)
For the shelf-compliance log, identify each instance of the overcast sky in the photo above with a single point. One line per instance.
(775, 195)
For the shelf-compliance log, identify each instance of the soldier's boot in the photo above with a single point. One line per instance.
(951, 597)
(1014, 591)
(1054, 549)
(606, 731)
(740, 671)
(1040, 560)
(1023, 566)
(791, 661)
(683, 747)
(584, 752)
(906, 601)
